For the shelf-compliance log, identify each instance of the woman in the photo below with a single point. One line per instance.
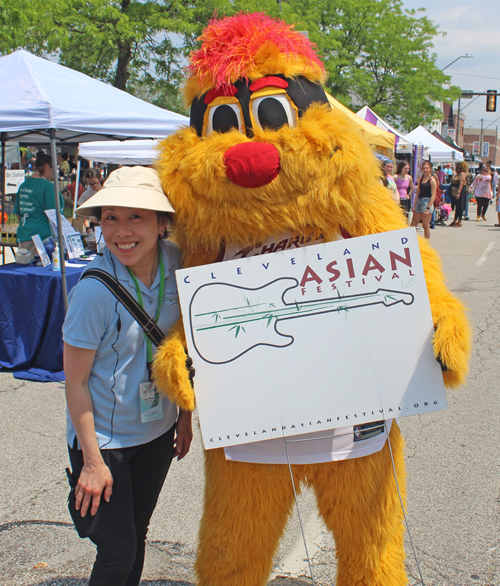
(424, 198)
(459, 191)
(481, 188)
(387, 180)
(35, 196)
(122, 434)
(404, 184)
(93, 181)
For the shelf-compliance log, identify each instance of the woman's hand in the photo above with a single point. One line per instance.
(183, 434)
(95, 480)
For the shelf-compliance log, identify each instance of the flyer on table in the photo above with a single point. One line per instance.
(311, 339)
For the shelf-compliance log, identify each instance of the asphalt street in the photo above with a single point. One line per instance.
(452, 464)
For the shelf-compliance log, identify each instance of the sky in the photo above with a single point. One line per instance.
(472, 28)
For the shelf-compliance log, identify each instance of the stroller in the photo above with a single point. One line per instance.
(443, 213)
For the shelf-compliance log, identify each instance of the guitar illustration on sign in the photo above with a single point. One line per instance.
(251, 316)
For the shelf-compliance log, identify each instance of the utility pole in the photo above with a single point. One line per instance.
(458, 123)
(496, 142)
(481, 142)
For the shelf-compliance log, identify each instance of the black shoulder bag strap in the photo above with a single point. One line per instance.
(147, 323)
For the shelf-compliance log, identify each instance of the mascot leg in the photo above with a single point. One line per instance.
(246, 510)
(359, 502)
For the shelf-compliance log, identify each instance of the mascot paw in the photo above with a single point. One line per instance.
(452, 341)
(173, 373)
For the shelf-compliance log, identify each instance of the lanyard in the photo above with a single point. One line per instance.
(149, 345)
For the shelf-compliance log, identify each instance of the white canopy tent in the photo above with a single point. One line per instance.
(42, 101)
(403, 145)
(438, 151)
(136, 152)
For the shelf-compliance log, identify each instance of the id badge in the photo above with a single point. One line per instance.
(151, 403)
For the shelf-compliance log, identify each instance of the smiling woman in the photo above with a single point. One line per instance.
(122, 434)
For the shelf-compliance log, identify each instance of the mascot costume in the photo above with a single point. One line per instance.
(267, 164)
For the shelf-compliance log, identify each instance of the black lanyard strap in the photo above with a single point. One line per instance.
(147, 323)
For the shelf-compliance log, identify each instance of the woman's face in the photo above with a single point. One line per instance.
(484, 170)
(131, 234)
(94, 183)
(388, 168)
(426, 169)
(405, 170)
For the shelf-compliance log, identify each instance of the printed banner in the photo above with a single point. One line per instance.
(310, 339)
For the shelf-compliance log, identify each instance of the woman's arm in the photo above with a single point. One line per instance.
(433, 190)
(417, 193)
(95, 477)
(183, 434)
(411, 186)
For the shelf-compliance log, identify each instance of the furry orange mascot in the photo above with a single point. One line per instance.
(266, 160)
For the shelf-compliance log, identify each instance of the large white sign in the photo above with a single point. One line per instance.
(311, 339)
(13, 180)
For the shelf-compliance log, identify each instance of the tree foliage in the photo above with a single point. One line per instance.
(380, 55)
(376, 53)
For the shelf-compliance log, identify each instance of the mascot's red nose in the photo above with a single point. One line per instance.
(252, 164)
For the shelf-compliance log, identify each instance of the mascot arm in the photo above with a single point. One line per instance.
(452, 338)
(170, 371)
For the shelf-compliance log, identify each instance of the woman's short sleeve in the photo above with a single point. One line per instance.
(90, 314)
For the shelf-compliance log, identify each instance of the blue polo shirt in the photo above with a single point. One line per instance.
(120, 363)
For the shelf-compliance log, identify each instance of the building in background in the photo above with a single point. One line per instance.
(483, 150)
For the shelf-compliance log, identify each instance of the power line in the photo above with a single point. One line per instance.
(470, 75)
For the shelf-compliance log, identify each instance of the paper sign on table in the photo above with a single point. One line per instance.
(42, 253)
(67, 231)
(76, 244)
(311, 339)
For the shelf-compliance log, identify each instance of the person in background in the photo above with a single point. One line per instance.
(424, 198)
(497, 201)
(69, 190)
(459, 190)
(72, 163)
(122, 433)
(387, 179)
(481, 188)
(469, 180)
(35, 196)
(404, 184)
(93, 181)
(448, 173)
(440, 175)
(64, 167)
(494, 177)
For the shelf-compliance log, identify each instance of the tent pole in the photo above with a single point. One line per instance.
(60, 238)
(3, 177)
(77, 187)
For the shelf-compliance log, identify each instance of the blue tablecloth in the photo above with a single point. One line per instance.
(31, 318)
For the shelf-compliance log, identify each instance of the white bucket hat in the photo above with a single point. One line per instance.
(128, 187)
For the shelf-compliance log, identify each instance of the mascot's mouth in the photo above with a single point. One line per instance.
(252, 164)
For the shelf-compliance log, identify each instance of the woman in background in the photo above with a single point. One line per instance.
(481, 188)
(404, 183)
(459, 191)
(424, 198)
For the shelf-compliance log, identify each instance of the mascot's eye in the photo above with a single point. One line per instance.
(273, 112)
(224, 118)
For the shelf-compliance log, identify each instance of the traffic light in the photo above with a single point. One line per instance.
(491, 101)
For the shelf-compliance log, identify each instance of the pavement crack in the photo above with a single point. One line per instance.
(27, 523)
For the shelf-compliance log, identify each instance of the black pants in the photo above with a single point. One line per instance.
(460, 204)
(119, 528)
(482, 206)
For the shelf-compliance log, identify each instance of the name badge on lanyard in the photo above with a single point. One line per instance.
(149, 396)
(151, 403)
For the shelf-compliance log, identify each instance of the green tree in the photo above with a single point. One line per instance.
(378, 54)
